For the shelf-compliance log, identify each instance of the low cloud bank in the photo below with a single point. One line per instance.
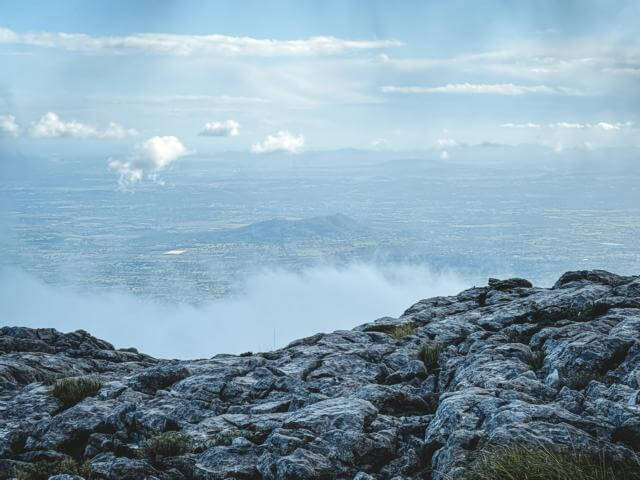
(271, 309)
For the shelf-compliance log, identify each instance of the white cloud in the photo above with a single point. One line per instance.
(9, 126)
(446, 143)
(379, 143)
(475, 88)
(283, 141)
(444, 155)
(151, 157)
(572, 125)
(170, 44)
(51, 125)
(521, 125)
(228, 128)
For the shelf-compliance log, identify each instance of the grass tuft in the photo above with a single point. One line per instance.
(70, 391)
(545, 463)
(402, 330)
(429, 353)
(536, 360)
(45, 469)
(167, 444)
(580, 379)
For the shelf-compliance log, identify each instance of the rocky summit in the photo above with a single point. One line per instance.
(421, 396)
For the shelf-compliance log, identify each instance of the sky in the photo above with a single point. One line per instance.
(154, 81)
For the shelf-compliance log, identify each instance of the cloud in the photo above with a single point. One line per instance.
(475, 88)
(283, 141)
(228, 128)
(444, 155)
(535, 60)
(271, 307)
(606, 126)
(150, 158)
(446, 143)
(183, 45)
(8, 126)
(521, 125)
(51, 125)
(379, 143)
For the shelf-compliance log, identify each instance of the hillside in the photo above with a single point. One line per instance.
(422, 396)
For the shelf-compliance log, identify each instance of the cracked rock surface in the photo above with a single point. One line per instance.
(514, 364)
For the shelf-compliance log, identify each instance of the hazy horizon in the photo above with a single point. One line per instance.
(193, 178)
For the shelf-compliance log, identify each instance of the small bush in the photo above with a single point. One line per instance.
(225, 437)
(70, 391)
(536, 360)
(246, 354)
(402, 330)
(544, 463)
(580, 379)
(167, 444)
(45, 469)
(429, 353)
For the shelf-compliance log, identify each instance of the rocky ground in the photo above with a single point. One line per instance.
(415, 397)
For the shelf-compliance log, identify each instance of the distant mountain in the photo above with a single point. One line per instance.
(280, 230)
(275, 230)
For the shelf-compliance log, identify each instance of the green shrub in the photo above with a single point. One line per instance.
(225, 437)
(70, 391)
(536, 360)
(402, 330)
(429, 353)
(45, 469)
(580, 379)
(545, 463)
(167, 444)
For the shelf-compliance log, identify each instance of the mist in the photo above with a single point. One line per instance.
(271, 308)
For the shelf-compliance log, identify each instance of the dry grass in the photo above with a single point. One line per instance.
(545, 463)
(44, 470)
(429, 353)
(402, 330)
(536, 360)
(70, 391)
(167, 444)
(580, 379)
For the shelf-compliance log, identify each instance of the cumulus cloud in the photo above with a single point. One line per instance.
(149, 159)
(51, 125)
(481, 88)
(228, 128)
(171, 44)
(283, 141)
(8, 126)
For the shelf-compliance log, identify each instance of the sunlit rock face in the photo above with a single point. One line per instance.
(504, 364)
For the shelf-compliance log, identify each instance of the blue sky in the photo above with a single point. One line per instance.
(293, 76)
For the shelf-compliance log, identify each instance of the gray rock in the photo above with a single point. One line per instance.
(559, 366)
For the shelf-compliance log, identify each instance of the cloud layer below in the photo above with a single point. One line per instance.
(273, 307)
